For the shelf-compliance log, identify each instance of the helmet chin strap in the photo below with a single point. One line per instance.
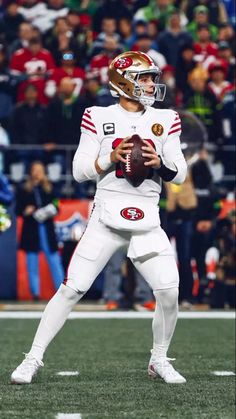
(146, 101)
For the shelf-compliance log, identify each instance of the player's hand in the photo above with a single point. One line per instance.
(121, 150)
(150, 153)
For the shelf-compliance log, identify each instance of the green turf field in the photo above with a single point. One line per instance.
(112, 356)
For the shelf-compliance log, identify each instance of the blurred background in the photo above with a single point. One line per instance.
(54, 57)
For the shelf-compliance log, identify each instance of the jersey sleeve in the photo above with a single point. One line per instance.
(87, 151)
(175, 128)
(173, 158)
(87, 124)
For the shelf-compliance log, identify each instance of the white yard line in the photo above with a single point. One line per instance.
(68, 416)
(68, 373)
(223, 373)
(120, 315)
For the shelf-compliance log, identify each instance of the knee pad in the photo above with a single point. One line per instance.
(167, 297)
(70, 294)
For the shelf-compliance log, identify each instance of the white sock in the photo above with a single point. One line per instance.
(54, 317)
(164, 321)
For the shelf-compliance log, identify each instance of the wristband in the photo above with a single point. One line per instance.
(104, 162)
(165, 172)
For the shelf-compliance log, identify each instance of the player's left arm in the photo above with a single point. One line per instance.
(173, 164)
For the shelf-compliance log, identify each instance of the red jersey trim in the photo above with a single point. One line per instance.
(174, 130)
(88, 122)
(89, 128)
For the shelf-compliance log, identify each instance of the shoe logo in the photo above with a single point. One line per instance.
(132, 213)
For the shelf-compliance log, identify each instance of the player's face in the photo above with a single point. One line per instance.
(146, 81)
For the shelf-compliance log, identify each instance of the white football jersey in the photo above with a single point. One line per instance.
(102, 129)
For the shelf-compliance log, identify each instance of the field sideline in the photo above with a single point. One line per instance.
(111, 356)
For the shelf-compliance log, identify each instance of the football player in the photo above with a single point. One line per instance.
(123, 215)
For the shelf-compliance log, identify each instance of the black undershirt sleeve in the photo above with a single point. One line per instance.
(165, 172)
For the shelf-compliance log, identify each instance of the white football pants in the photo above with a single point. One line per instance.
(98, 244)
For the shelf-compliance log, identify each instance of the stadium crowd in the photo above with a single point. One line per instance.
(54, 57)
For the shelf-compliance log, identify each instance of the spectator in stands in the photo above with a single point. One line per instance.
(143, 43)
(112, 8)
(161, 11)
(96, 94)
(130, 31)
(181, 204)
(64, 114)
(168, 78)
(225, 53)
(125, 30)
(153, 31)
(101, 62)
(63, 117)
(27, 120)
(227, 33)
(44, 15)
(228, 108)
(230, 10)
(204, 213)
(35, 64)
(228, 118)
(223, 292)
(109, 30)
(91, 88)
(216, 10)
(82, 34)
(60, 38)
(201, 17)
(68, 68)
(205, 50)
(202, 103)
(36, 203)
(171, 40)
(10, 23)
(8, 85)
(31, 9)
(24, 35)
(218, 84)
(185, 65)
(27, 128)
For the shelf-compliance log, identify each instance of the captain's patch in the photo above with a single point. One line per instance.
(109, 128)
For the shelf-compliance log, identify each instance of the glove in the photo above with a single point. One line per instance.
(42, 214)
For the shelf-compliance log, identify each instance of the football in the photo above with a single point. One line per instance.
(133, 169)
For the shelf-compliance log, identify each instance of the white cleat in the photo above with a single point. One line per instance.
(25, 372)
(165, 370)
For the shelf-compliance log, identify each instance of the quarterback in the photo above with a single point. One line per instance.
(123, 215)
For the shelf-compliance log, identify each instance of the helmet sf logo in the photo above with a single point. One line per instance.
(132, 213)
(123, 62)
(157, 129)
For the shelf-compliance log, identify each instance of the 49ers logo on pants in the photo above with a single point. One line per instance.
(132, 213)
